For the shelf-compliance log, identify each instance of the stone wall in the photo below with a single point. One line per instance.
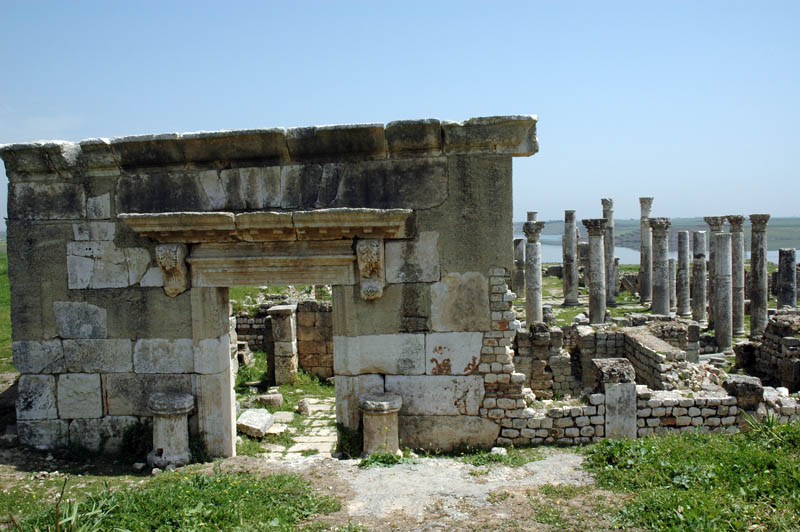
(650, 357)
(315, 338)
(675, 333)
(776, 357)
(562, 425)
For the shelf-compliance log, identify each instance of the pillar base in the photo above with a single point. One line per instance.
(380, 421)
(170, 429)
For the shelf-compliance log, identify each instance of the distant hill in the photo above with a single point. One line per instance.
(781, 232)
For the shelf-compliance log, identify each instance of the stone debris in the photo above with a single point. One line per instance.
(304, 407)
(254, 422)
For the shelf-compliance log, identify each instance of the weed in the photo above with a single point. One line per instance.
(350, 442)
(309, 452)
(512, 458)
(384, 459)
(498, 496)
(137, 441)
(248, 446)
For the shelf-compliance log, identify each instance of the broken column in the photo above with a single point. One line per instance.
(660, 251)
(533, 272)
(646, 252)
(737, 271)
(570, 259)
(608, 251)
(518, 275)
(379, 416)
(170, 429)
(682, 276)
(723, 305)
(699, 277)
(715, 224)
(759, 297)
(597, 274)
(615, 378)
(787, 277)
(285, 334)
(673, 296)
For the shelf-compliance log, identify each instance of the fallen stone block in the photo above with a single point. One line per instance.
(254, 422)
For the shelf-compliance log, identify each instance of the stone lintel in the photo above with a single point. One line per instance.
(183, 227)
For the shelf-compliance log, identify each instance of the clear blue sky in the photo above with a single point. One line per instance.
(695, 103)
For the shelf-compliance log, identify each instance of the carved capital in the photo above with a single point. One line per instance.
(595, 226)
(660, 225)
(369, 254)
(646, 205)
(737, 222)
(171, 258)
(759, 221)
(715, 223)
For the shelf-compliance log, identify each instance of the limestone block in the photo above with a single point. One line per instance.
(285, 349)
(212, 355)
(390, 354)
(460, 302)
(94, 230)
(254, 422)
(80, 320)
(363, 141)
(437, 395)
(99, 207)
(44, 434)
(126, 394)
(446, 433)
(99, 356)
(79, 396)
(216, 413)
(748, 390)
(412, 261)
(159, 355)
(414, 137)
(283, 323)
(46, 201)
(348, 390)
(261, 186)
(153, 277)
(620, 410)
(210, 308)
(403, 307)
(100, 435)
(107, 266)
(456, 353)
(514, 135)
(36, 397)
(285, 369)
(38, 357)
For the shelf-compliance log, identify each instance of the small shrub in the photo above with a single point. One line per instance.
(350, 442)
(384, 459)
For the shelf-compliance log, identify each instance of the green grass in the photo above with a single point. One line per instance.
(384, 459)
(513, 458)
(195, 501)
(696, 481)
(5, 314)
(243, 298)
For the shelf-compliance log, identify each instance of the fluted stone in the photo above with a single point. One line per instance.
(518, 274)
(673, 294)
(736, 222)
(699, 277)
(646, 252)
(616, 276)
(715, 224)
(608, 251)
(570, 246)
(787, 277)
(682, 276)
(533, 272)
(660, 228)
(597, 275)
(759, 297)
(723, 304)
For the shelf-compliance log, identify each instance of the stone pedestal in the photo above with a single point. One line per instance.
(787, 277)
(723, 304)
(284, 331)
(379, 413)
(699, 277)
(615, 377)
(570, 273)
(533, 272)
(518, 274)
(693, 343)
(673, 294)
(170, 429)
(715, 224)
(597, 274)
(660, 228)
(684, 308)
(608, 251)
(759, 296)
(646, 252)
(737, 272)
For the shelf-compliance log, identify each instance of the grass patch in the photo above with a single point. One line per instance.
(384, 459)
(172, 502)
(512, 458)
(6, 365)
(698, 481)
(247, 446)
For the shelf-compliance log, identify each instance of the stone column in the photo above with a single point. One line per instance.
(518, 275)
(723, 304)
(608, 251)
(616, 276)
(533, 272)
(682, 276)
(646, 252)
(170, 429)
(715, 224)
(284, 331)
(570, 272)
(660, 249)
(673, 294)
(737, 271)
(787, 277)
(597, 279)
(699, 277)
(759, 296)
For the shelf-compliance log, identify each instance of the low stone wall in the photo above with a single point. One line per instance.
(315, 338)
(256, 330)
(777, 357)
(562, 425)
(674, 333)
(650, 357)
(661, 412)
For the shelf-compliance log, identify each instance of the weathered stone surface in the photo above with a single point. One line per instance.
(212, 355)
(153, 277)
(44, 434)
(348, 390)
(456, 353)
(101, 264)
(160, 355)
(569, 243)
(370, 261)
(38, 357)
(254, 422)
(460, 302)
(390, 354)
(126, 394)
(270, 399)
(446, 433)
(748, 390)
(620, 410)
(514, 135)
(79, 396)
(413, 261)
(437, 395)
(410, 138)
(103, 435)
(99, 356)
(94, 231)
(612, 371)
(364, 141)
(36, 397)
(286, 367)
(405, 308)
(98, 207)
(80, 320)
(46, 201)
(216, 413)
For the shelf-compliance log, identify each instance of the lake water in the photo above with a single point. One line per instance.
(551, 251)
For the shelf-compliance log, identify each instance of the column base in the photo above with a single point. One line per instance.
(570, 303)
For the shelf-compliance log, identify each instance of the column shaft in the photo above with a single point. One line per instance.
(608, 251)
(759, 297)
(597, 274)
(715, 224)
(787, 277)
(533, 272)
(699, 277)
(570, 272)
(646, 252)
(723, 304)
(682, 276)
(660, 227)
(737, 272)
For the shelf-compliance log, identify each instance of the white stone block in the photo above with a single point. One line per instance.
(216, 413)
(437, 395)
(212, 355)
(80, 320)
(456, 353)
(348, 390)
(153, 277)
(460, 302)
(38, 357)
(111, 267)
(98, 356)
(79, 396)
(413, 261)
(158, 355)
(212, 186)
(389, 354)
(254, 422)
(99, 207)
(36, 397)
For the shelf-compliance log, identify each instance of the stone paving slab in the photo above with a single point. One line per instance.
(277, 428)
(283, 417)
(321, 447)
(315, 439)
